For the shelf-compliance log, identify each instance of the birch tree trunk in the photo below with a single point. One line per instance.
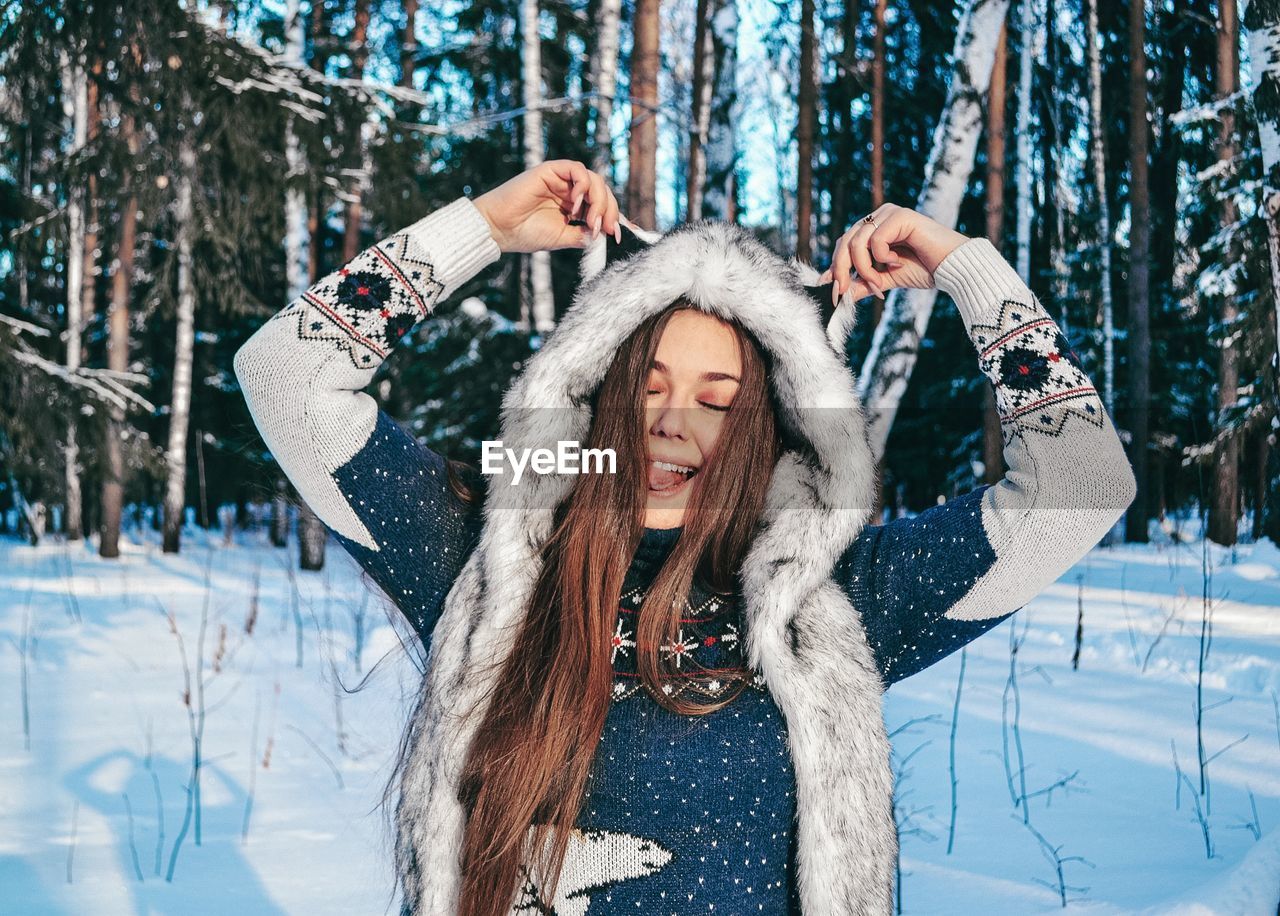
(1261, 19)
(542, 300)
(1224, 508)
(1097, 157)
(76, 106)
(604, 79)
(1026, 60)
(992, 437)
(806, 116)
(180, 403)
(896, 342)
(295, 205)
(302, 268)
(642, 142)
(703, 76)
(1139, 338)
(720, 201)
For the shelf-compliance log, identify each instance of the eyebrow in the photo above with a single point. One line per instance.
(705, 376)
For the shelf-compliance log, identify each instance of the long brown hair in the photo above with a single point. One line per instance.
(532, 753)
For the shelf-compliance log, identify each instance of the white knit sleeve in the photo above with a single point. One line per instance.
(303, 371)
(1068, 479)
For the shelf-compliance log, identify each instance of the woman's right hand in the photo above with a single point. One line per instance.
(532, 211)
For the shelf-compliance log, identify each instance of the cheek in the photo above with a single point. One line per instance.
(708, 432)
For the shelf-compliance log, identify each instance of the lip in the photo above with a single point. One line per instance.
(676, 491)
(673, 493)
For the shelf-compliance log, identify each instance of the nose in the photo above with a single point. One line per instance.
(667, 421)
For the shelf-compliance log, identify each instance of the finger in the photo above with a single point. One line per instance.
(841, 263)
(567, 180)
(861, 255)
(860, 289)
(611, 223)
(598, 195)
(880, 250)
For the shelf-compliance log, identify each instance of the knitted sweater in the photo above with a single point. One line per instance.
(925, 585)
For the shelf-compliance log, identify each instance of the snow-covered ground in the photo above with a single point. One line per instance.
(96, 738)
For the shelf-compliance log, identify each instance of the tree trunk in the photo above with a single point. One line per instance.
(1224, 507)
(180, 403)
(642, 143)
(321, 45)
(1261, 455)
(992, 438)
(280, 514)
(90, 272)
(409, 44)
(311, 538)
(703, 78)
(117, 361)
(355, 206)
(1097, 137)
(877, 112)
(301, 250)
(76, 106)
(542, 303)
(1262, 32)
(295, 207)
(604, 80)
(806, 115)
(1057, 157)
(1139, 407)
(721, 198)
(1026, 62)
(896, 343)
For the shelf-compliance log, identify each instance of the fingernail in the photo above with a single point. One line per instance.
(595, 227)
(617, 233)
(577, 202)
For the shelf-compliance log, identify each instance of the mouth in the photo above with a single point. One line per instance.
(667, 478)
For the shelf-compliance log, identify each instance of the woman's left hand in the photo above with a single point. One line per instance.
(898, 248)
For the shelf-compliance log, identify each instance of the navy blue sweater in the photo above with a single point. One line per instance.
(688, 814)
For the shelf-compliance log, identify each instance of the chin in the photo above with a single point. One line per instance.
(660, 516)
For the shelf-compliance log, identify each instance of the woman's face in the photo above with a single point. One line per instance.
(692, 381)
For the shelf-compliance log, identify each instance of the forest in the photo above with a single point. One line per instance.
(200, 692)
(171, 174)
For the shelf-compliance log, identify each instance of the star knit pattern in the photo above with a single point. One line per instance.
(1039, 382)
(368, 305)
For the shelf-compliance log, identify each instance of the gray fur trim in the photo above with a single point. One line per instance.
(802, 632)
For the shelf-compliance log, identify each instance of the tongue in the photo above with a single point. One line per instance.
(661, 479)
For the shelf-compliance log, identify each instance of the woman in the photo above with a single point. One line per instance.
(659, 690)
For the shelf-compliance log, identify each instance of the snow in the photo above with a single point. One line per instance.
(104, 685)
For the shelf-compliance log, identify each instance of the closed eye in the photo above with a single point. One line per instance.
(720, 407)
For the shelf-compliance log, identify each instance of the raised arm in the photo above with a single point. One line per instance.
(382, 494)
(929, 584)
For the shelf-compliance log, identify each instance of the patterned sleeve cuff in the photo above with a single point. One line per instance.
(371, 302)
(457, 241)
(978, 278)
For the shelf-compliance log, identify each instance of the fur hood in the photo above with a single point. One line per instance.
(802, 633)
